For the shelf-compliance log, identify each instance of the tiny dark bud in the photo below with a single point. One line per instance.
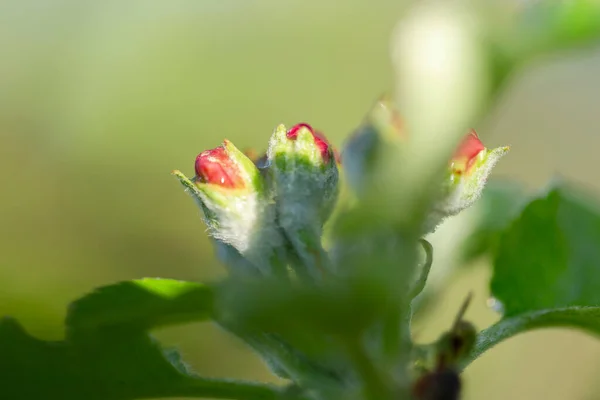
(438, 385)
(463, 338)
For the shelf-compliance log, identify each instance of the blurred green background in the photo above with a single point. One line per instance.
(99, 101)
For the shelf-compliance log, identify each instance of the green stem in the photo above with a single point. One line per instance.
(419, 285)
(294, 365)
(392, 334)
(374, 384)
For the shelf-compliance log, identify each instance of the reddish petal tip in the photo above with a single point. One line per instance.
(467, 151)
(322, 144)
(293, 132)
(215, 167)
(319, 138)
(470, 146)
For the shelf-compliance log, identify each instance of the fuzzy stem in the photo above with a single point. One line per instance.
(424, 273)
(373, 383)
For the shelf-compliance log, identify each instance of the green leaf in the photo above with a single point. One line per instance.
(546, 272)
(341, 308)
(549, 257)
(500, 203)
(315, 320)
(108, 353)
(324, 324)
(142, 304)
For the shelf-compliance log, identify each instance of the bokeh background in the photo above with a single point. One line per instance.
(99, 101)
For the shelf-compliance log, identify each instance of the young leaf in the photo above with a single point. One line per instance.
(546, 270)
(344, 309)
(108, 353)
(141, 304)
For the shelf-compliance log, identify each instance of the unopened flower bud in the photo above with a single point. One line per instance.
(444, 384)
(304, 171)
(383, 136)
(381, 132)
(467, 174)
(453, 346)
(232, 194)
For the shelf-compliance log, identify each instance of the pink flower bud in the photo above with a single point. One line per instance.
(466, 153)
(319, 138)
(237, 208)
(304, 174)
(468, 171)
(216, 167)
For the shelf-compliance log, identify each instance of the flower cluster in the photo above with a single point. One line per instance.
(266, 213)
(383, 132)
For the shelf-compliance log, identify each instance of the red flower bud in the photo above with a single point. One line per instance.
(237, 208)
(216, 167)
(319, 138)
(466, 153)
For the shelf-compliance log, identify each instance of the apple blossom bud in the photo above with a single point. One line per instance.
(466, 176)
(237, 209)
(381, 133)
(304, 173)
